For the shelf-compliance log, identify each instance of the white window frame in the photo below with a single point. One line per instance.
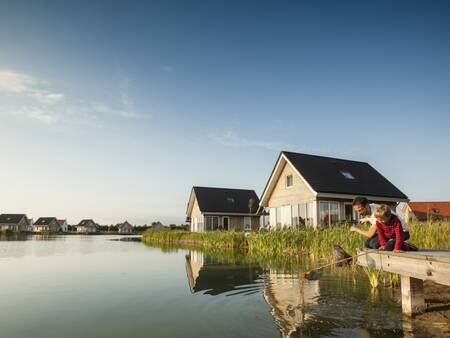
(247, 218)
(329, 211)
(286, 181)
(212, 222)
(227, 217)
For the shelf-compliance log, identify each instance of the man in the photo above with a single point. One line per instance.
(367, 213)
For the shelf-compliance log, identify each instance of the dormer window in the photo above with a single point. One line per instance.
(347, 175)
(289, 181)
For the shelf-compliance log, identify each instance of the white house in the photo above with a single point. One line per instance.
(227, 209)
(125, 228)
(309, 190)
(63, 225)
(87, 226)
(14, 222)
(46, 224)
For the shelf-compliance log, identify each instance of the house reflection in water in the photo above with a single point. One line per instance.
(208, 274)
(287, 295)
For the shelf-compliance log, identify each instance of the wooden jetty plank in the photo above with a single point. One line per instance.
(413, 268)
(424, 265)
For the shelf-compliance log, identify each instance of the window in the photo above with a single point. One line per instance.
(225, 222)
(247, 223)
(347, 175)
(215, 222)
(278, 218)
(208, 223)
(328, 212)
(295, 216)
(289, 181)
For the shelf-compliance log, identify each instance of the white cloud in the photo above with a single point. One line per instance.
(31, 97)
(230, 139)
(22, 84)
(12, 82)
(48, 98)
(38, 114)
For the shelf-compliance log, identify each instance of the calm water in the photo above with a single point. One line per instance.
(93, 286)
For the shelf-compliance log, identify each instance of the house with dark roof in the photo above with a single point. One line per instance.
(87, 226)
(211, 209)
(125, 228)
(426, 211)
(46, 224)
(310, 190)
(14, 222)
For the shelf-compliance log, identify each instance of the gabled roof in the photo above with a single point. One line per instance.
(45, 220)
(126, 223)
(11, 218)
(327, 175)
(86, 222)
(223, 200)
(61, 221)
(423, 210)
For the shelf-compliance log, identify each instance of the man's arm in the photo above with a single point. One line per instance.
(367, 233)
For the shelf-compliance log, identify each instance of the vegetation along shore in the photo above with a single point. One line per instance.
(314, 243)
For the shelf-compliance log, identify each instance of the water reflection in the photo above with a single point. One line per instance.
(337, 304)
(211, 276)
(287, 295)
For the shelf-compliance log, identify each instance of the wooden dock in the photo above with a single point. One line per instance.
(413, 268)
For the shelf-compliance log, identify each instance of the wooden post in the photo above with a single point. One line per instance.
(412, 295)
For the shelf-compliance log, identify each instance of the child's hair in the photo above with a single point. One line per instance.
(383, 213)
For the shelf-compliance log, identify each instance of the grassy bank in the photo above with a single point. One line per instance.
(315, 243)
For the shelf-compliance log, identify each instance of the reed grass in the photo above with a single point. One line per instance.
(316, 244)
(373, 276)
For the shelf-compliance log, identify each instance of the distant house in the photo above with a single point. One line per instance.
(46, 224)
(424, 211)
(87, 226)
(158, 225)
(211, 209)
(14, 222)
(63, 225)
(29, 225)
(125, 228)
(309, 190)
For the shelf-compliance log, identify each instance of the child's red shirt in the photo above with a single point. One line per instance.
(392, 229)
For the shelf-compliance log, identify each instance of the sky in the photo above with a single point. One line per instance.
(113, 110)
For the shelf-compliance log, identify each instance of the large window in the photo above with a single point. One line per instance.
(328, 212)
(278, 225)
(247, 223)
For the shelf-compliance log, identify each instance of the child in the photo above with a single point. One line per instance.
(389, 229)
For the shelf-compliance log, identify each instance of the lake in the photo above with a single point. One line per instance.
(98, 286)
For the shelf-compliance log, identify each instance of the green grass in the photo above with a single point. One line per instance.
(305, 242)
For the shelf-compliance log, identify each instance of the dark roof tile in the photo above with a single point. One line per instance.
(333, 175)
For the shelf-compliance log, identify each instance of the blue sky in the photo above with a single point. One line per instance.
(112, 110)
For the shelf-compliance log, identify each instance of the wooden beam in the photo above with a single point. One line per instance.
(413, 301)
(424, 265)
